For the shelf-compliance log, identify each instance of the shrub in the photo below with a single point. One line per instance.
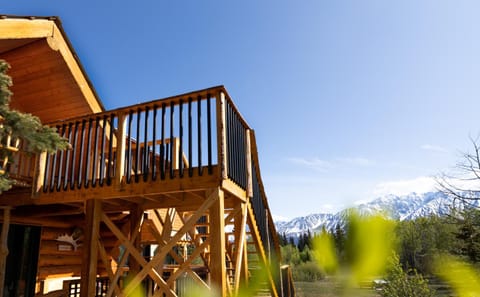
(308, 272)
(400, 284)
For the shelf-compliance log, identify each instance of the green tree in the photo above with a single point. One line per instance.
(421, 239)
(468, 234)
(400, 284)
(339, 237)
(18, 125)
(290, 254)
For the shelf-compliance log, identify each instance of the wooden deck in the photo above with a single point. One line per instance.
(179, 175)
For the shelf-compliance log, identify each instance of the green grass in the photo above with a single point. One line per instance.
(331, 287)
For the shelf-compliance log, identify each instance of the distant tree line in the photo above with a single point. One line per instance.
(418, 241)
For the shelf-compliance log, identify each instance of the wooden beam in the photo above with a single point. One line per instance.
(185, 265)
(159, 257)
(141, 189)
(136, 218)
(93, 213)
(23, 28)
(111, 275)
(234, 189)
(58, 42)
(123, 260)
(241, 261)
(4, 247)
(218, 269)
(130, 248)
(233, 213)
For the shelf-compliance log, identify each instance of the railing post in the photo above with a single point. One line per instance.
(121, 146)
(175, 142)
(222, 135)
(39, 173)
(248, 159)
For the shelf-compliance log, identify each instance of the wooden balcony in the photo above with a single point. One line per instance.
(166, 154)
(185, 143)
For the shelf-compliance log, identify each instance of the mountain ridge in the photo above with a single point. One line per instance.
(404, 207)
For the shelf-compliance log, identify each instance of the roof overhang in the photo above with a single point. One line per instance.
(48, 79)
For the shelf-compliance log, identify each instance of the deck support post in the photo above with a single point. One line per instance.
(136, 216)
(4, 247)
(241, 260)
(218, 269)
(93, 214)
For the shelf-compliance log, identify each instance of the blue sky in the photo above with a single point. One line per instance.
(349, 99)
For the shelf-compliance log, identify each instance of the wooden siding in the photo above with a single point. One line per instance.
(43, 84)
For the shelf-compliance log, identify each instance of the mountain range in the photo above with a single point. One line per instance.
(401, 208)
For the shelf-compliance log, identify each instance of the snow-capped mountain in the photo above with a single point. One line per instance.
(406, 207)
(303, 224)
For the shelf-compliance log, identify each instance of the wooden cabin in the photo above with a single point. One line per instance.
(160, 197)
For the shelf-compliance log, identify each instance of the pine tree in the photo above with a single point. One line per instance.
(339, 239)
(23, 126)
(468, 234)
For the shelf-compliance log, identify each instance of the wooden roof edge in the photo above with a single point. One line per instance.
(50, 28)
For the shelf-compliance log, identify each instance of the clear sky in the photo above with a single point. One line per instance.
(349, 99)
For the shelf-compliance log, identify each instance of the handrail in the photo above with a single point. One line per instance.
(264, 220)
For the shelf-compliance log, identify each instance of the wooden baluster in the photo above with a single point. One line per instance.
(95, 153)
(145, 146)
(102, 152)
(190, 144)
(199, 134)
(73, 167)
(82, 155)
(172, 149)
(154, 137)
(129, 148)
(88, 154)
(137, 148)
(180, 139)
(110, 162)
(209, 134)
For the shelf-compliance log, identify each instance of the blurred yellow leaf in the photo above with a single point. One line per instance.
(324, 252)
(461, 276)
(371, 242)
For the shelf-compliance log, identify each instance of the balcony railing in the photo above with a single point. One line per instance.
(159, 140)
